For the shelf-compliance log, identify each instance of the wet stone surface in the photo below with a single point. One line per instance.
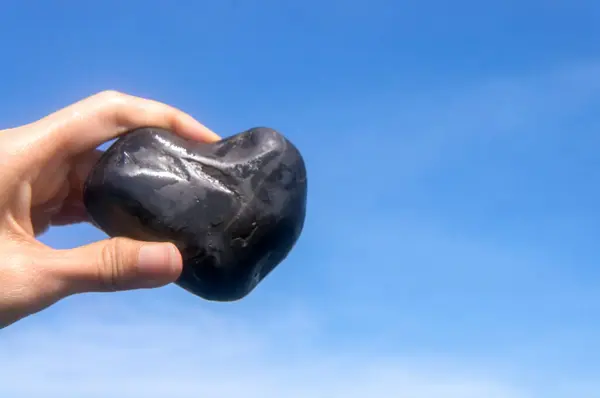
(234, 208)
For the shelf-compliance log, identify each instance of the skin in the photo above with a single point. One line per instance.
(44, 165)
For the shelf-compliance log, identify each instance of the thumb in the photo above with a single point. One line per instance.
(119, 264)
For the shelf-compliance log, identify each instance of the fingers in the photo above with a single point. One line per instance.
(86, 124)
(117, 264)
(34, 276)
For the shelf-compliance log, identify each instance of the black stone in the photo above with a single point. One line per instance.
(234, 208)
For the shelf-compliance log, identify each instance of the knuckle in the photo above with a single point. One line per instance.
(112, 100)
(115, 106)
(111, 264)
(110, 95)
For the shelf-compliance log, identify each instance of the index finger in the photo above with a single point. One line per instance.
(88, 123)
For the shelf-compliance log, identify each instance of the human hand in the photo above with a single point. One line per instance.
(43, 166)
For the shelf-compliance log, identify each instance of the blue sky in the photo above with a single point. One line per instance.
(450, 248)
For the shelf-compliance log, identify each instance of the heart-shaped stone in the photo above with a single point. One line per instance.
(234, 208)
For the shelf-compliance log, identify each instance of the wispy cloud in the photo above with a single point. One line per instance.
(193, 353)
(414, 132)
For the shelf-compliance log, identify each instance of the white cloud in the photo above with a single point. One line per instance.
(193, 353)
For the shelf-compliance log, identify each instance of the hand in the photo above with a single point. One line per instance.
(42, 169)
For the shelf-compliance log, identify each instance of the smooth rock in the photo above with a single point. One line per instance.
(234, 208)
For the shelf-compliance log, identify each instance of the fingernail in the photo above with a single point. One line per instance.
(207, 133)
(214, 136)
(157, 262)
